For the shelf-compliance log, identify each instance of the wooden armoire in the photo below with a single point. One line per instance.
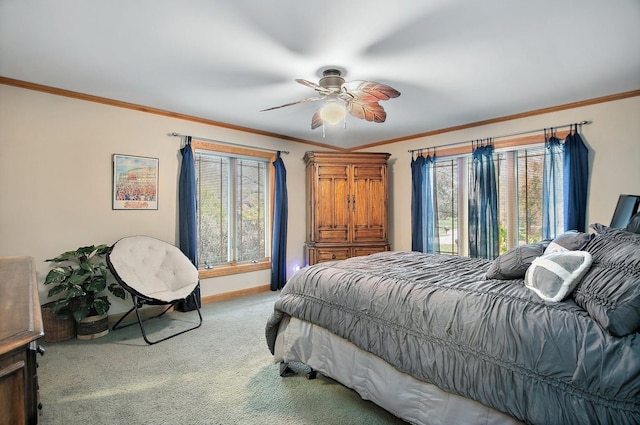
(347, 205)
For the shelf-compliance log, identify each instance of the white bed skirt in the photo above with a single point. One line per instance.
(374, 379)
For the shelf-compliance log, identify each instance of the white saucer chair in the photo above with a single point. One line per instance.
(154, 272)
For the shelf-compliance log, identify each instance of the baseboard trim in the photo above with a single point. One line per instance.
(145, 313)
(225, 296)
(154, 310)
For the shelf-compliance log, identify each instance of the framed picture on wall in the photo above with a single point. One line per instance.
(135, 182)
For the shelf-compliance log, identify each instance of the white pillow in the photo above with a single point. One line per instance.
(554, 276)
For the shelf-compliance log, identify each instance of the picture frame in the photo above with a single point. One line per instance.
(135, 182)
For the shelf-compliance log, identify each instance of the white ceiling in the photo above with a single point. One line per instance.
(454, 61)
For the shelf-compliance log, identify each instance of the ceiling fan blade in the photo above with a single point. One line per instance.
(316, 120)
(317, 87)
(308, 99)
(369, 111)
(308, 83)
(369, 91)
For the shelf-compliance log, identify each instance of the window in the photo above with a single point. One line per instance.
(234, 190)
(521, 196)
(520, 193)
(447, 194)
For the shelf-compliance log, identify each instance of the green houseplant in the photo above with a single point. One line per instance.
(81, 275)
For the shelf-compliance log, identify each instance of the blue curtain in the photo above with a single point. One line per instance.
(483, 205)
(424, 206)
(187, 218)
(576, 181)
(552, 187)
(431, 234)
(417, 205)
(279, 239)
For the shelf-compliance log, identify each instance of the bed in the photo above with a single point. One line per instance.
(438, 339)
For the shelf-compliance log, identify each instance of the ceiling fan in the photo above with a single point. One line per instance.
(359, 98)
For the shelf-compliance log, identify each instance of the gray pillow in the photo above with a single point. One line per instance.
(610, 290)
(554, 276)
(634, 223)
(599, 228)
(513, 264)
(569, 241)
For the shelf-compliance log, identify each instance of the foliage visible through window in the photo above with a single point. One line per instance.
(447, 193)
(520, 193)
(521, 196)
(232, 195)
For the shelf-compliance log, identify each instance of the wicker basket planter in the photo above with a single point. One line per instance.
(79, 280)
(92, 327)
(56, 329)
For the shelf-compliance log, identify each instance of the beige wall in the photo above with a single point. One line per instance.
(55, 173)
(55, 179)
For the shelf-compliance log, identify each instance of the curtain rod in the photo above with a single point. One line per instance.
(503, 136)
(226, 143)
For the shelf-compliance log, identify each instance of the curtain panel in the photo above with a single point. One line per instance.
(576, 181)
(280, 217)
(552, 188)
(424, 206)
(417, 207)
(187, 218)
(483, 205)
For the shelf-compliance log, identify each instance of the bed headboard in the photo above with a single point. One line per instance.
(627, 206)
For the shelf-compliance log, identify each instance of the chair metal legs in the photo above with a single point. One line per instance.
(138, 302)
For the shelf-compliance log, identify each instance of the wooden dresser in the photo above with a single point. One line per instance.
(347, 205)
(20, 328)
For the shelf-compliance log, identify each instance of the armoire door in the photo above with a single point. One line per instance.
(368, 203)
(332, 203)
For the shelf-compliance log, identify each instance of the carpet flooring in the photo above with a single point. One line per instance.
(220, 373)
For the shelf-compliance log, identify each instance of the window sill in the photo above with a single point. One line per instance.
(229, 269)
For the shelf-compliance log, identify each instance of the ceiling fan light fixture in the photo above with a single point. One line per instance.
(360, 98)
(333, 112)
